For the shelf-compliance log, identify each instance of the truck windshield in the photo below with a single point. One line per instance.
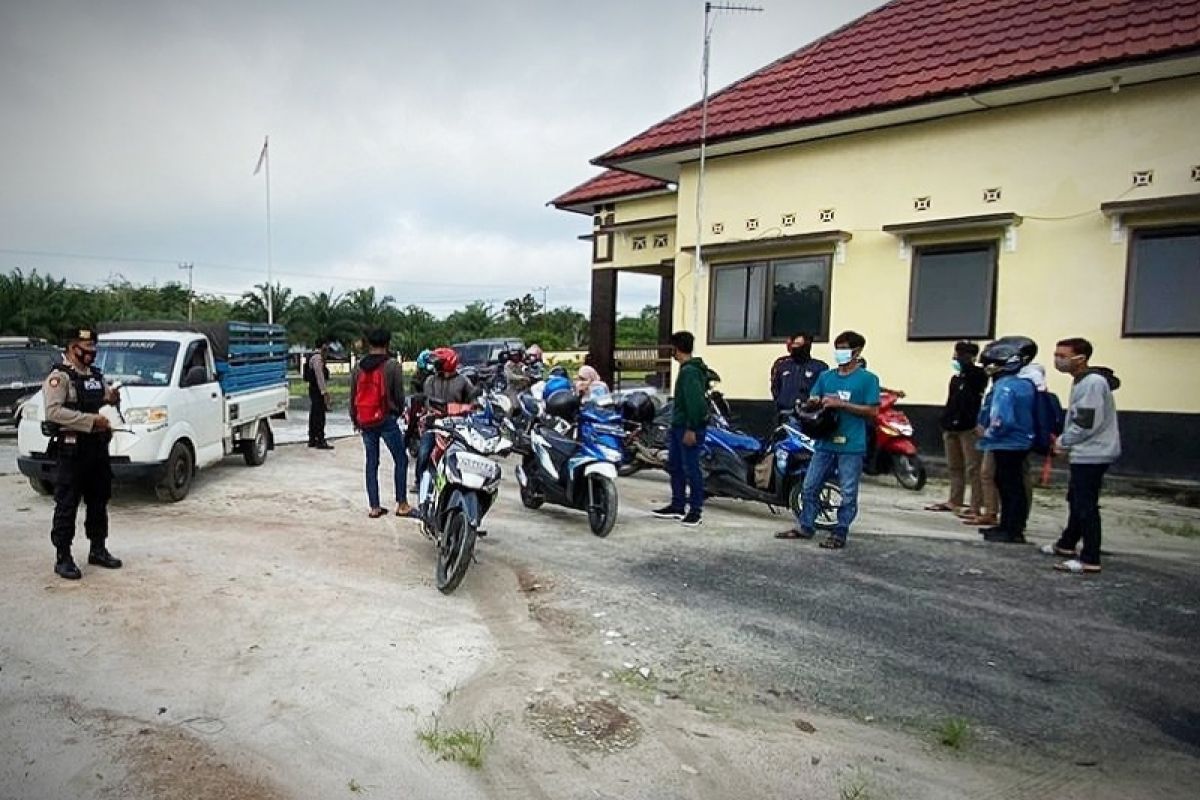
(137, 362)
(473, 355)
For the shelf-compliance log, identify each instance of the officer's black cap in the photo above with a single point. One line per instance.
(80, 334)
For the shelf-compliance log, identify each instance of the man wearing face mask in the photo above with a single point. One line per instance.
(959, 417)
(74, 393)
(793, 375)
(1093, 442)
(854, 392)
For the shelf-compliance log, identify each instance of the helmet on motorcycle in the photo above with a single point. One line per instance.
(534, 352)
(1002, 358)
(423, 360)
(559, 372)
(638, 407)
(1025, 346)
(444, 360)
(563, 404)
(556, 383)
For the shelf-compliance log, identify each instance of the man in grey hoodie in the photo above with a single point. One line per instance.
(1093, 442)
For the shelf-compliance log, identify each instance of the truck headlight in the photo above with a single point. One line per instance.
(148, 415)
(30, 411)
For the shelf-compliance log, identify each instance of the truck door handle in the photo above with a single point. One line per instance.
(213, 395)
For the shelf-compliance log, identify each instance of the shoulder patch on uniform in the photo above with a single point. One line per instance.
(55, 381)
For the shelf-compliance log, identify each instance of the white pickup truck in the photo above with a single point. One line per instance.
(190, 396)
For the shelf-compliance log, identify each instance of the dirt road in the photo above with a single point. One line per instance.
(266, 639)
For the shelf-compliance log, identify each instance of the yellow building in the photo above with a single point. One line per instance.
(936, 170)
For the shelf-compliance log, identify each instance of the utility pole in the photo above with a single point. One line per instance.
(191, 295)
(698, 269)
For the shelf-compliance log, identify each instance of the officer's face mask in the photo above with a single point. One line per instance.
(85, 356)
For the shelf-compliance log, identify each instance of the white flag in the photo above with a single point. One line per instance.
(261, 156)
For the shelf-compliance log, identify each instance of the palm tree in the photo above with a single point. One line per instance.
(324, 316)
(370, 311)
(253, 305)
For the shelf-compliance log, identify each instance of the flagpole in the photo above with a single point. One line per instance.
(270, 285)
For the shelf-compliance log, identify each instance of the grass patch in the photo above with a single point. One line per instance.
(855, 786)
(464, 745)
(1185, 530)
(954, 733)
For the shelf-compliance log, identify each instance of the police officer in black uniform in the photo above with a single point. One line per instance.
(79, 437)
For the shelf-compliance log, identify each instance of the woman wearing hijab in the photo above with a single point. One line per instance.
(587, 382)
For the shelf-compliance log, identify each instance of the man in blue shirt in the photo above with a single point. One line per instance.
(854, 393)
(1006, 429)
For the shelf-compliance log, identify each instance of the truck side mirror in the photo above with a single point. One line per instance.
(195, 376)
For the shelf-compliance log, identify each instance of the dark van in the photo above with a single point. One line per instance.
(24, 364)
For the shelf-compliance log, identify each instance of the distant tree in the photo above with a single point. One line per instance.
(370, 310)
(253, 305)
(415, 329)
(476, 321)
(522, 310)
(325, 315)
(638, 331)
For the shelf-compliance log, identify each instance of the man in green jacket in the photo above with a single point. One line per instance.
(689, 418)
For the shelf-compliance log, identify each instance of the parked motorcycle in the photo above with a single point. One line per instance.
(738, 465)
(571, 460)
(893, 448)
(458, 489)
(648, 425)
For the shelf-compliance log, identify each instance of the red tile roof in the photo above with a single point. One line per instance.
(607, 185)
(910, 51)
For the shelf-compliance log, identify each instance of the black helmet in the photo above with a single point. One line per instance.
(558, 371)
(638, 407)
(1003, 357)
(563, 404)
(1025, 346)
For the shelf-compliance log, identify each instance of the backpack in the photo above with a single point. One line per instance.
(307, 372)
(370, 397)
(1048, 419)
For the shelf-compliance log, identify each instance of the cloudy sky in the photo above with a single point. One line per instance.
(413, 145)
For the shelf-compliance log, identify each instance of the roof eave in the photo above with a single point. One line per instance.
(587, 206)
(665, 164)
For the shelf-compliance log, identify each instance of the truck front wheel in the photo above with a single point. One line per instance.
(176, 482)
(255, 450)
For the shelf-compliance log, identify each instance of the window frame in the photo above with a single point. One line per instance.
(992, 246)
(1131, 266)
(768, 299)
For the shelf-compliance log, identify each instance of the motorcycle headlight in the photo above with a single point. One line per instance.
(148, 415)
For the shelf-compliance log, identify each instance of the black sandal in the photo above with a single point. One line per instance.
(833, 543)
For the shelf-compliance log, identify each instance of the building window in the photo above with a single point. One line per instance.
(953, 292)
(770, 300)
(1163, 282)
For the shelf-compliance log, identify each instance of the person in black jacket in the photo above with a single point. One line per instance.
(793, 375)
(959, 418)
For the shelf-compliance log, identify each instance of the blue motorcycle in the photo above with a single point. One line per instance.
(571, 460)
(738, 465)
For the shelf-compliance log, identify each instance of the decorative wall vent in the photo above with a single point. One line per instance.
(639, 243)
(1143, 177)
(826, 215)
(788, 220)
(991, 195)
(660, 240)
(752, 224)
(1196, 173)
(597, 221)
(610, 218)
(718, 228)
(922, 203)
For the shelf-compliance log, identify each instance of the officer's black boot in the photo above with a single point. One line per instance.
(65, 567)
(100, 556)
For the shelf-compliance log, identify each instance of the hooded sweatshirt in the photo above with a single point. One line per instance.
(393, 379)
(1091, 435)
(691, 407)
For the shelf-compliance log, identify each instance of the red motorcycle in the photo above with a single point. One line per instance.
(892, 448)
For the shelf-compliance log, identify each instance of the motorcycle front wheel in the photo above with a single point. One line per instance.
(829, 500)
(454, 551)
(909, 471)
(602, 504)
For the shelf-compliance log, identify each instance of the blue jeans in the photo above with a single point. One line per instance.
(389, 432)
(849, 467)
(683, 464)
